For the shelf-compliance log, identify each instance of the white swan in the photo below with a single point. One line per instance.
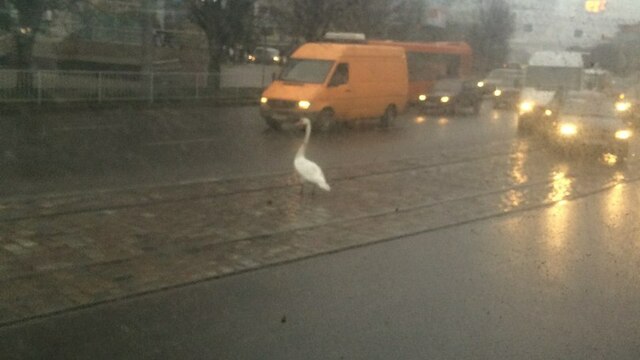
(307, 169)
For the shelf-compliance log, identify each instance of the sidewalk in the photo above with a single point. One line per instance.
(64, 252)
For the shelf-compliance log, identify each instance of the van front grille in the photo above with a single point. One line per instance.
(281, 104)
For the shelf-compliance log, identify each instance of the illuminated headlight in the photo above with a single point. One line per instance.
(480, 84)
(251, 58)
(623, 134)
(304, 104)
(498, 92)
(548, 112)
(526, 106)
(623, 106)
(445, 99)
(568, 129)
(276, 59)
(422, 97)
(263, 100)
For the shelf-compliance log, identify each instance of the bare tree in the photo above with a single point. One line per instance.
(307, 19)
(489, 36)
(621, 55)
(225, 23)
(311, 19)
(24, 18)
(394, 19)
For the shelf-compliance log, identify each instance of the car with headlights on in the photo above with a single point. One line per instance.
(503, 86)
(587, 120)
(628, 104)
(547, 74)
(265, 55)
(451, 96)
(506, 95)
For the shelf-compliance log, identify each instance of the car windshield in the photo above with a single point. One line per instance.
(306, 71)
(319, 179)
(588, 108)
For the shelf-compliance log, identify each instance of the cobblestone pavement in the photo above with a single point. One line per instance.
(66, 251)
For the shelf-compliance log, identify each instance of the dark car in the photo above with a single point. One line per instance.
(503, 84)
(452, 96)
(506, 93)
(265, 55)
(583, 120)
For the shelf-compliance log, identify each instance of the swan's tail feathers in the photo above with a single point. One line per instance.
(324, 186)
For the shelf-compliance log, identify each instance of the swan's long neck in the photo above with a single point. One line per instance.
(307, 135)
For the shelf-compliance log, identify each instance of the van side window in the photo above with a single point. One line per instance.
(340, 76)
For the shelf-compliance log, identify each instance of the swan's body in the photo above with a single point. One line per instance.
(307, 169)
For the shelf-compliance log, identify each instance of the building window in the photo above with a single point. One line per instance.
(578, 33)
(528, 28)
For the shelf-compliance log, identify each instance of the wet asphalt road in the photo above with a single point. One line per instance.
(239, 144)
(557, 282)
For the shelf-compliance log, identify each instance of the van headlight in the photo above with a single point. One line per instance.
(622, 106)
(445, 99)
(497, 93)
(276, 58)
(480, 84)
(422, 97)
(304, 104)
(264, 100)
(568, 130)
(526, 107)
(623, 134)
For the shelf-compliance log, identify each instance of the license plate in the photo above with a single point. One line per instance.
(280, 117)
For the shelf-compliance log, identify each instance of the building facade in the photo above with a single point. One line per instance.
(555, 24)
(565, 24)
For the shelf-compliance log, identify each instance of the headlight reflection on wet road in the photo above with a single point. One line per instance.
(560, 187)
(518, 175)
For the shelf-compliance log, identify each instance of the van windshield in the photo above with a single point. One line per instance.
(306, 71)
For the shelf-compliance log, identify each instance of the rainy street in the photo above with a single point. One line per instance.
(296, 179)
(446, 236)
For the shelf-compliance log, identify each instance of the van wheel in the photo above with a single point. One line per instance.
(325, 121)
(389, 116)
(272, 123)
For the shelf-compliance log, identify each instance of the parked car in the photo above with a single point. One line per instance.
(452, 96)
(265, 55)
(581, 120)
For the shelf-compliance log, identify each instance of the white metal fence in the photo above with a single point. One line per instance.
(68, 86)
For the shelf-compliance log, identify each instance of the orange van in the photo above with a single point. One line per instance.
(330, 82)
